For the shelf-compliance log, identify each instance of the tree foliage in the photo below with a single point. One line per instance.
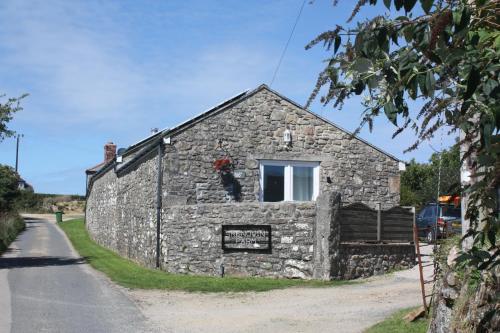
(446, 54)
(7, 110)
(419, 183)
(9, 191)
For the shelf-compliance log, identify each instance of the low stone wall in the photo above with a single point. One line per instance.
(192, 239)
(359, 260)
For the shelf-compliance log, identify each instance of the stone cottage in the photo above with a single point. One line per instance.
(187, 198)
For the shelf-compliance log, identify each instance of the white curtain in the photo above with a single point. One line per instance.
(302, 183)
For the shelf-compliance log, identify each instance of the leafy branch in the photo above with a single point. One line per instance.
(447, 57)
(7, 110)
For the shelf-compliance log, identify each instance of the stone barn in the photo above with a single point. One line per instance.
(251, 187)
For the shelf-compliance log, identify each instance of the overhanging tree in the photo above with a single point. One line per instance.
(7, 110)
(446, 54)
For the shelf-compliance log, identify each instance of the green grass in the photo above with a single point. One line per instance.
(396, 324)
(130, 275)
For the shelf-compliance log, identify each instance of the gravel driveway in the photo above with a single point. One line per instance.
(348, 308)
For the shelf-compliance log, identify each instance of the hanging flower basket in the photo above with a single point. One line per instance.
(223, 165)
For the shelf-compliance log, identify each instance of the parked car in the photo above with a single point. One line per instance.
(447, 217)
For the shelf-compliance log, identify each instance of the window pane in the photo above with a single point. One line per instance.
(431, 212)
(451, 211)
(302, 183)
(274, 183)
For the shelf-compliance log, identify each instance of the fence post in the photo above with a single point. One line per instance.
(379, 222)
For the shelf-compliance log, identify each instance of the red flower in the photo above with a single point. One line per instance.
(223, 164)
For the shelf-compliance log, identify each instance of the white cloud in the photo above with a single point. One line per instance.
(82, 68)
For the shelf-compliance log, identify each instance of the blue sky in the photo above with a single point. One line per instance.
(100, 71)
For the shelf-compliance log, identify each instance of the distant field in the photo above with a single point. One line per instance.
(29, 202)
(130, 275)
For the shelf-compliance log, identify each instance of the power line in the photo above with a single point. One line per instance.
(287, 42)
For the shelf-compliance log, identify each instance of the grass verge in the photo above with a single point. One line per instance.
(11, 224)
(396, 324)
(128, 274)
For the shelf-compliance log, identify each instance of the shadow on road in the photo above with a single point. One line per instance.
(22, 262)
(33, 219)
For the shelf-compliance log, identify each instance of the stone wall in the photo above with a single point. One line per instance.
(191, 239)
(359, 260)
(252, 130)
(305, 236)
(121, 211)
(466, 299)
(121, 215)
(100, 212)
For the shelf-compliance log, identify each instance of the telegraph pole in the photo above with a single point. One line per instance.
(17, 150)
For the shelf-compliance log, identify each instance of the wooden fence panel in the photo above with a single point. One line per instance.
(358, 223)
(397, 224)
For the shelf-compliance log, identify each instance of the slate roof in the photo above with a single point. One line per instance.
(95, 168)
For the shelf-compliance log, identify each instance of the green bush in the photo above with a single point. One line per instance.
(9, 191)
(11, 224)
(10, 221)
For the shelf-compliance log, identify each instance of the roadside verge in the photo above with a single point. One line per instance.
(129, 274)
(11, 224)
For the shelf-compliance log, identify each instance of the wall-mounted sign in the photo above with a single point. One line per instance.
(246, 238)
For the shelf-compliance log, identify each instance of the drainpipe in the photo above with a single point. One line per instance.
(158, 203)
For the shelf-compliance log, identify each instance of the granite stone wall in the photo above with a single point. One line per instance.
(100, 212)
(252, 130)
(359, 260)
(467, 301)
(191, 239)
(305, 236)
(121, 211)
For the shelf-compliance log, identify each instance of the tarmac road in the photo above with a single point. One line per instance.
(46, 287)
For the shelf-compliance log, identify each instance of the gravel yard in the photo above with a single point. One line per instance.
(348, 308)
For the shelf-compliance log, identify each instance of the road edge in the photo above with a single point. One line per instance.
(5, 294)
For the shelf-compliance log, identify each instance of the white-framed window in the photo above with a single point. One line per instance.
(288, 181)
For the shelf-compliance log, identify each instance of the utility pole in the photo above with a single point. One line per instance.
(17, 150)
(440, 154)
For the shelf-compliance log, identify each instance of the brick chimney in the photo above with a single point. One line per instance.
(109, 152)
